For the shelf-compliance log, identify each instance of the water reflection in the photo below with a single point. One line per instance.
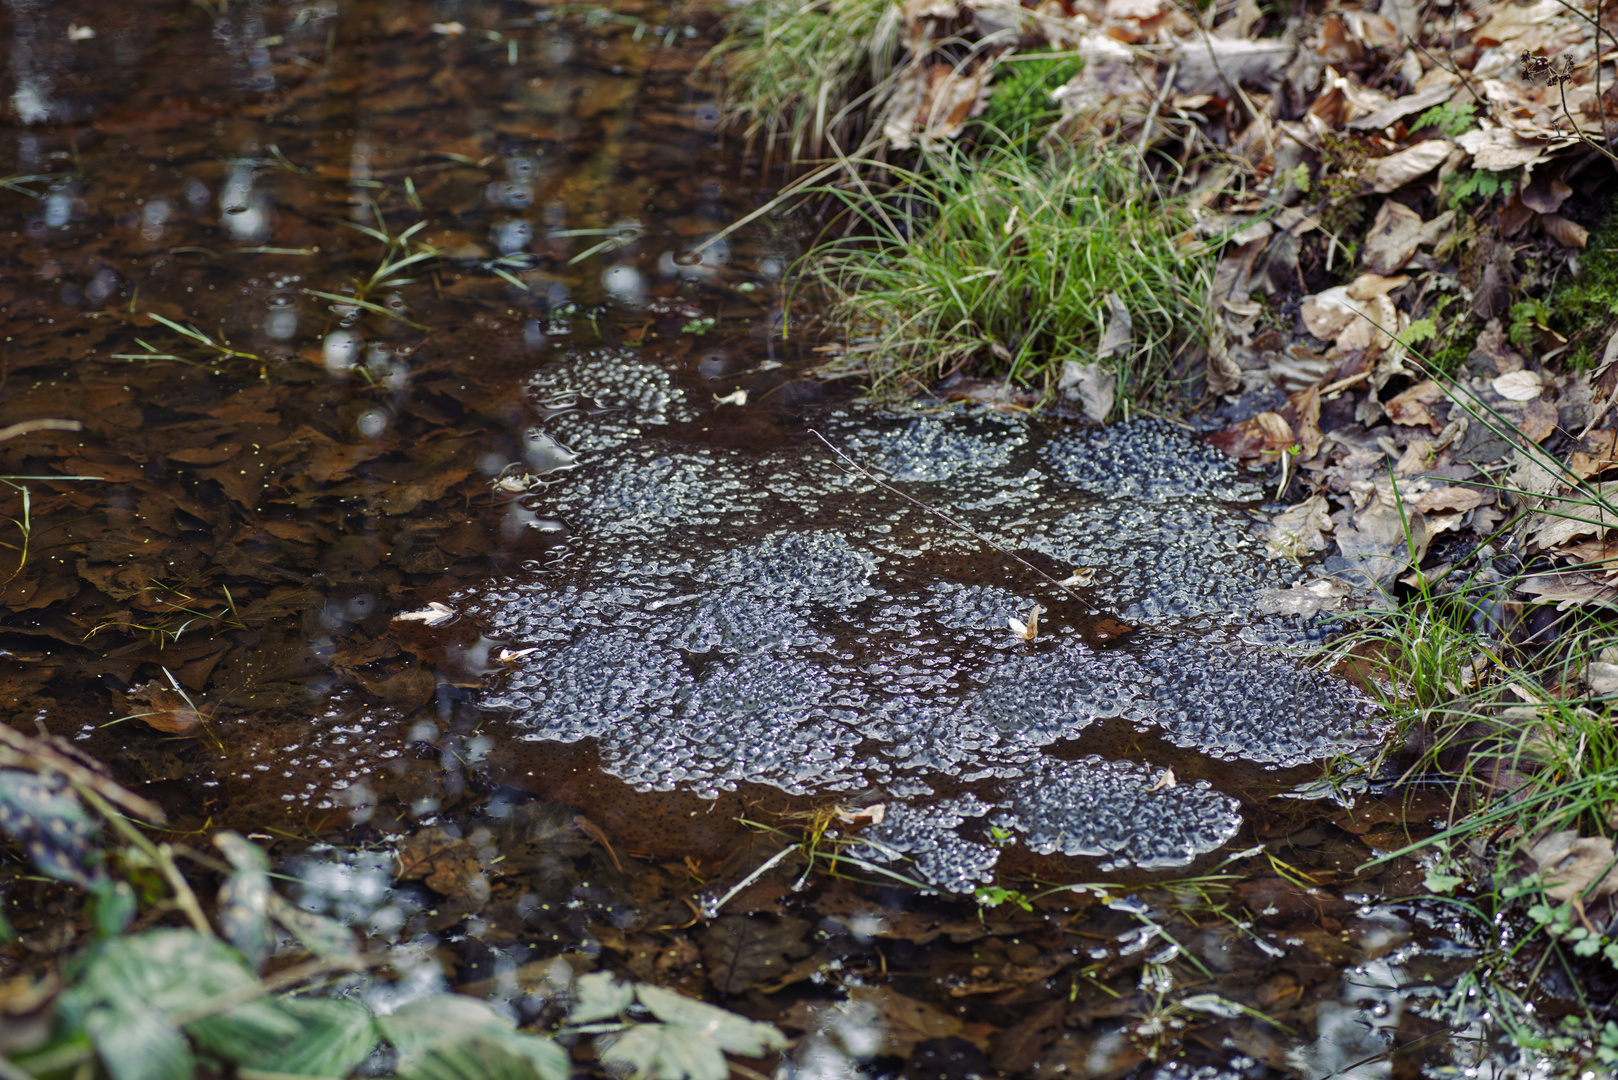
(281, 482)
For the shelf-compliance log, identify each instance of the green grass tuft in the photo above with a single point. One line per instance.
(1003, 264)
(1020, 108)
(800, 76)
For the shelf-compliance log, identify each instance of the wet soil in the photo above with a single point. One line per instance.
(290, 433)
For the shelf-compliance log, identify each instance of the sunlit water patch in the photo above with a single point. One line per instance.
(721, 618)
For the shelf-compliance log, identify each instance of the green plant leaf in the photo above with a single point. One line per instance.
(599, 996)
(139, 1043)
(43, 814)
(112, 907)
(665, 1052)
(337, 1036)
(477, 1058)
(176, 974)
(1437, 881)
(244, 897)
(436, 1024)
(721, 1027)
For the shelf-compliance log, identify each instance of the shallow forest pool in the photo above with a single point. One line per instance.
(362, 308)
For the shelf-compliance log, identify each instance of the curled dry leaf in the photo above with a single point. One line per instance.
(434, 614)
(1030, 630)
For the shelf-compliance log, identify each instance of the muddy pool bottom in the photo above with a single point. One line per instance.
(711, 617)
(1097, 851)
(760, 639)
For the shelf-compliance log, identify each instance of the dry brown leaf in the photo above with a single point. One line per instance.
(1210, 65)
(1497, 149)
(1538, 421)
(1263, 436)
(1410, 407)
(1298, 530)
(1576, 866)
(1371, 286)
(1393, 238)
(1451, 498)
(1567, 233)
(1507, 22)
(1396, 170)
(1400, 108)
(1600, 453)
(1353, 323)
(1569, 589)
(1594, 555)
(1569, 518)
(1546, 193)
(933, 102)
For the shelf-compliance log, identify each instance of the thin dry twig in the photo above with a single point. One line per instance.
(967, 529)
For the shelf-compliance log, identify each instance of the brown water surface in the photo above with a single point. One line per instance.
(291, 430)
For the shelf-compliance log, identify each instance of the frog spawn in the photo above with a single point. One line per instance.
(726, 618)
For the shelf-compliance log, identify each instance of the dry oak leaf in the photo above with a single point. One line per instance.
(1569, 590)
(1569, 518)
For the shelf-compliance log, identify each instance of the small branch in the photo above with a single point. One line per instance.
(1455, 71)
(28, 427)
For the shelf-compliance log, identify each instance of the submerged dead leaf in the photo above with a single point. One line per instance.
(165, 709)
(1326, 594)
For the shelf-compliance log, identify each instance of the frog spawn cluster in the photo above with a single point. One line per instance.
(726, 618)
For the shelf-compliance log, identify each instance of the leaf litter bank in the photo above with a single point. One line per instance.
(286, 463)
